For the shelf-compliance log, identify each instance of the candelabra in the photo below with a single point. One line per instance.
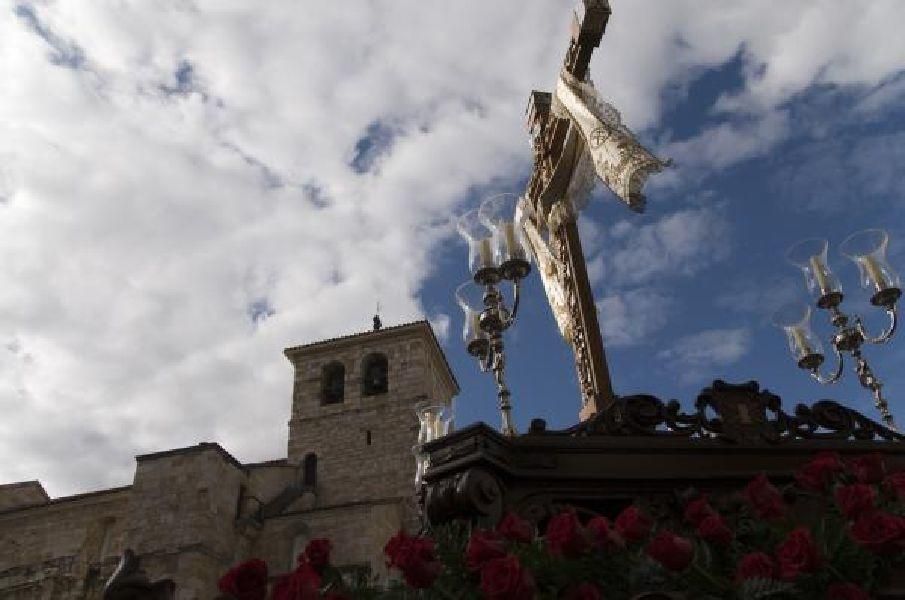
(434, 421)
(867, 249)
(496, 253)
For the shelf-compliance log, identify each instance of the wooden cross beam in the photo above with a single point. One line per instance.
(549, 134)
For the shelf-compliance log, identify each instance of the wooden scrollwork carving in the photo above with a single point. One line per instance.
(473, 493)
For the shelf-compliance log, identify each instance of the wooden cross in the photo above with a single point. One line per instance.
(549, 134)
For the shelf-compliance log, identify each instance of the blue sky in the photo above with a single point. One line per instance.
(835, 172)
(188, 188)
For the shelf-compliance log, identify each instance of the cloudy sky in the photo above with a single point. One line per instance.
(189, 186)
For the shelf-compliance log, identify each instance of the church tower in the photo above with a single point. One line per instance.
(353, 422)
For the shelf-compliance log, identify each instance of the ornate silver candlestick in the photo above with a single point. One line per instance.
(496, 253)
(868, 250)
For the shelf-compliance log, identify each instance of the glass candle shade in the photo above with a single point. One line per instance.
(420, 464)
(867, 249)
(470, 298)
(433, 420)
(497, 213)
(480, 240)
(810, 257)
(806, 348)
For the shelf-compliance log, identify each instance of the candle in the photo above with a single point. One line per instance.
(475, 319)
(485, 253)
(875, 273)
(435, 426)
(798, 336)
(820, 275)
(513, 248)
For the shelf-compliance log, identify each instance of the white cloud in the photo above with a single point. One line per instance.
(441, 322)
(824, 175)
(882, 96)
(147, 207)
(728, 143)
(681, 243)
(762, 296)
(694, 355)
(632, 317)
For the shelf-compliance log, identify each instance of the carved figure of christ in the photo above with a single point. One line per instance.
(578, 138)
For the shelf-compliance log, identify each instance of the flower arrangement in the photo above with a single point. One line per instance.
(835, 533)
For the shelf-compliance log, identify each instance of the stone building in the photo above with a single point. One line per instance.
(192, 512)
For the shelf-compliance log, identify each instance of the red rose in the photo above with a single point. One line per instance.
(755, 565)
(714, 530)
(797, 554)
(764, 498)
(673, 552)
(483, 545)
(583, 591)
(895, 485)
(868, 468)
(515, 528)
(602, 534)
(318, 553)
(880, 532)
(846, 591)
(506, 579)
(566, 537)
(697, 510)
(855, 499)
(245, 581)
(632, 524)
(415, 557)
(817, 474)
(301, 584)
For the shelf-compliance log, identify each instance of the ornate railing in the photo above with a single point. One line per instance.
(736, 413)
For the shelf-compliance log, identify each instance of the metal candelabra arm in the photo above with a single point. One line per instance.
(516, 286)
(871, 382)
(886, 335)
(834, 377)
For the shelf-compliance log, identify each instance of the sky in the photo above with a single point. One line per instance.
(189, 186)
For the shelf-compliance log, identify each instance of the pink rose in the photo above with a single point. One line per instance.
(868, 468)
(697, 510)
(755, 565)
(855, 499)
(797, 554)
(764, 498)
(506, 579)
(515, 528)
(817, 474)
(245, 581)
(566, 537)
(714, 530)
(483, 545)
(633, 525)
(673, 552)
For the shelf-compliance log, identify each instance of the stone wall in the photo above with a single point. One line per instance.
(182, 513)
(358, 533)
(22, 494)
(191, 513)
(364, 444)
(57, 549)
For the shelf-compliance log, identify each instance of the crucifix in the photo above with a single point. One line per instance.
(578, 138)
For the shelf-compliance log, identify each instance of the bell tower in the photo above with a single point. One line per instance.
(353, 423)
